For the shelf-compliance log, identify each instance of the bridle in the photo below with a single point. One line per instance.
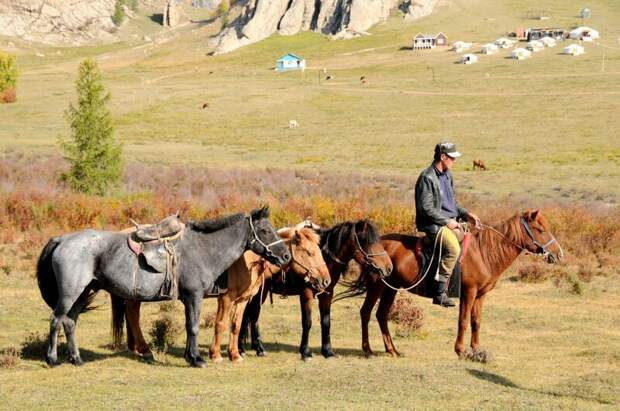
(310, 272)
(542, 249)
(367, 256)
(256, 239)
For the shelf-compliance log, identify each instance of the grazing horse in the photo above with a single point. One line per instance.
(245, 277)
(479, 164)
(74, 265)
(491, 251)
(347, 241)
(293, 124)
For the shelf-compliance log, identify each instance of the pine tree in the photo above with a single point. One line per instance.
(93, 153)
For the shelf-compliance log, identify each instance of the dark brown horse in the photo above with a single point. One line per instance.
(491, 251)
(347, 241)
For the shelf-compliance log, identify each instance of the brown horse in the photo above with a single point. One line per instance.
(490, 252)
(245, 277)
(350, 240)
(478, 163)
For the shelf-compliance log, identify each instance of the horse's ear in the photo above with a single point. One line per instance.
(297, 237)
(178, 213)
(533, 214)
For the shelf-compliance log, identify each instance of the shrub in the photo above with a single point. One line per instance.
(119, 13)
(407, 315)
(8, 71)
(533, 273)
(34, 346)
(94, 155)
(164, 332)
(8, 96)
(9, 357)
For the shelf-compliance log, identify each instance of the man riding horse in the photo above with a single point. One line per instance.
(437, 212)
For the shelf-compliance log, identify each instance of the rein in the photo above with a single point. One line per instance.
(438, 240)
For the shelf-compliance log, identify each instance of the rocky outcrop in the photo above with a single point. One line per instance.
(171, 14)
(417, 9)
(339, 18)
(72, 22)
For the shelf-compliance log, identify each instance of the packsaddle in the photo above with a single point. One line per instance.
(156, 244)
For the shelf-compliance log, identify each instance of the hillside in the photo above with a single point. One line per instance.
(538, 123)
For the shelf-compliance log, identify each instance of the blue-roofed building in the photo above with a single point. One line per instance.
(290, 62)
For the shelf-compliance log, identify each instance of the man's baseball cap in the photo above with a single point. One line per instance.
(448, 149)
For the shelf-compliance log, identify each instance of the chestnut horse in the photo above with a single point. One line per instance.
(491, 251)
(346, 241)
(245, 277)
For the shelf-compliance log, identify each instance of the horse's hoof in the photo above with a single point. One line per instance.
(148, 358)
(369, 354)
(328, 354)
(217, 359)
(261, 353)
(52, 362)
(198, 363)
(237, 359)
(77, 361)
(306, 359)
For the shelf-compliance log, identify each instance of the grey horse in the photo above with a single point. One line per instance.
(74, 266)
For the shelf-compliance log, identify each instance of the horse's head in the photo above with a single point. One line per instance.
(306, 258)
(367, 250)
(537, 237)
(264, 240)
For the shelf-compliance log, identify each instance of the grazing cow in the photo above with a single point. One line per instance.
(479, 164)
(329, 77)
(293, 124)
(205, 105)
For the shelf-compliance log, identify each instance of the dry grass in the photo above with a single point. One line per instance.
(408, 316)
(9, 357)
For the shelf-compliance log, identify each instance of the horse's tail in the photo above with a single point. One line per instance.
(119, 306)
(45, 274)
(46, 278)
(353, 288)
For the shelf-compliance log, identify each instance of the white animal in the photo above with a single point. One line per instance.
(293, 124)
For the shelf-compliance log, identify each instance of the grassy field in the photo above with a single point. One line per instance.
(546, 127)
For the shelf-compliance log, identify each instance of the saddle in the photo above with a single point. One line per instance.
(154, 245)
(423, 251)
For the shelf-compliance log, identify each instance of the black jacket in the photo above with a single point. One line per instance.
(428, 217)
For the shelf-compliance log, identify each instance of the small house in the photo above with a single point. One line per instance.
(504, 43)
(535, 45)
(429, 41)
(469, 59)
(521, 33)
(537, 34)
(548, 42)
(460, 46)
(574, 50)
(489, 48)
(520, 54)
(584, 33)
(289, 62)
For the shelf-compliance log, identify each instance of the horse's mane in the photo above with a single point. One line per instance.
(334, 238)
(494, 246)
(306, 234)
(215, 224)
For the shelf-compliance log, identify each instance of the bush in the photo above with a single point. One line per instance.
(164, 332)
(9, 357)
(119, 13)
(8, 77)
(94, 155)
(407, 315)
(533, 273)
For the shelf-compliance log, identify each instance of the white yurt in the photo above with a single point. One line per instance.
(535, 46)
(469, 59)
(548, 42)
(460, 46)
(520, 53)
(504, 43)
(584, 33)
(574, 49)
(489, 48)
